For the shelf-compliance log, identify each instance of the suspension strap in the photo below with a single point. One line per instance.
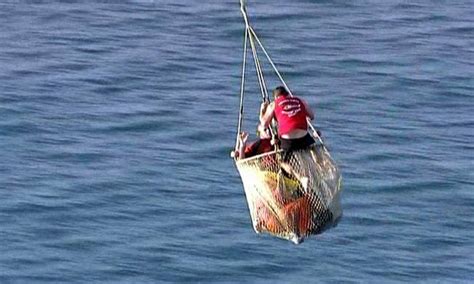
(251, 36)
(261, 79)
(242, 87)
(254, 35)
(258, 68)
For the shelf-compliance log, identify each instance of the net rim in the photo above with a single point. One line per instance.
(245, 160)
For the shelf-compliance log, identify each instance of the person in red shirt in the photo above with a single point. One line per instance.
(291, 113)
(261, 145)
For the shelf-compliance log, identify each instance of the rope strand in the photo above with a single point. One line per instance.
(261, 80)
(242, 88)
(250, 35)
(254, 35)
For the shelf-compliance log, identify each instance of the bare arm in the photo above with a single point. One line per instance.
(266, 115)
(241, 144)
(309, 111)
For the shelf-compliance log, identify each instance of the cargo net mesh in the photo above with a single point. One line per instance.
(292, 194)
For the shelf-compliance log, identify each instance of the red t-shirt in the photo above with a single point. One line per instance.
(258, 147)
(290, 113)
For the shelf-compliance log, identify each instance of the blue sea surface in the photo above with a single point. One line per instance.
(117, 119)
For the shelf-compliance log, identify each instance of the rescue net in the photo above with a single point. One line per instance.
(292, 194)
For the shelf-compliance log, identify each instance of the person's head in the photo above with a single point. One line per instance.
(263, 133)
(280, 91)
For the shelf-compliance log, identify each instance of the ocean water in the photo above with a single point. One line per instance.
(117, 118)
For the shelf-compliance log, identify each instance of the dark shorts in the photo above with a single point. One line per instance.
(296, 144)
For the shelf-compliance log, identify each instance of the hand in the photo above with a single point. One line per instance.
(243, 137)
(263, 107)
(274, 141)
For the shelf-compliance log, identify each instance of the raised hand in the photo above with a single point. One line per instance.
(244, 136)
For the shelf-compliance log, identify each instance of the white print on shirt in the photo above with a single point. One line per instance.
(290, 107)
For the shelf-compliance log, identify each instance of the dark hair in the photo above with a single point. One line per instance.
(280, 91)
